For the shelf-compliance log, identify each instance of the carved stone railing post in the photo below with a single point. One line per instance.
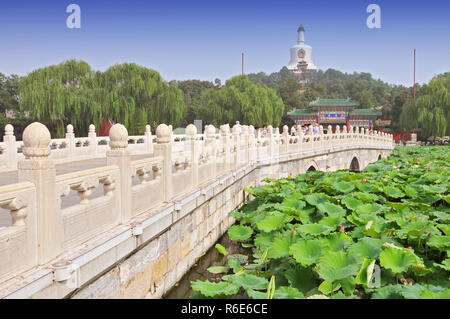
(70, 137)
(93, 139)
(270, 138)
(311, 137)
(236, 145)
(149, 139)
(251, 143)
(163, 148)
(276, 136)
(345, 135)
(285, 139)
(244, 141)
(321, 136)
(366, 136)
(329, 136)
(225, 146)
(119, 155)
(191, 133)
(40, 170)
(11, 147)
(338, 135)
(211, 148)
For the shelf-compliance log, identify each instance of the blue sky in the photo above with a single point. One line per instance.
(204, 39)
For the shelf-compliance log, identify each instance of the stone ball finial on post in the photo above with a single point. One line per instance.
(191, 131)
(223, 130)
(69, 129)
(147, 129)
(338, 129)
(244, 129)
(329, 129)
(118, 136)
(285, 130)
(236, 129)
(211, 131)
(270, 130)
(9, 129)
(320, 129)
(36, 139)
(163, 134)
(92, 128)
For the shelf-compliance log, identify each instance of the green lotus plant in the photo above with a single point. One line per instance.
(329, 235)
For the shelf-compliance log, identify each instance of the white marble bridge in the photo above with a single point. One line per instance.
(126, 216)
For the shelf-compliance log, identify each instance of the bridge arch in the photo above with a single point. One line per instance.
(312, 166)
(355, 163)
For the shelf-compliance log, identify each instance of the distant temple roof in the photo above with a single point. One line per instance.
(302, 112)
(334, 102)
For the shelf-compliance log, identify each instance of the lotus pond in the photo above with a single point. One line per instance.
(381, 233)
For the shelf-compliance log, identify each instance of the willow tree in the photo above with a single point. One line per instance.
(72, 92)
(135, 96)
(56, 95)
(241, 100)
(431, 110)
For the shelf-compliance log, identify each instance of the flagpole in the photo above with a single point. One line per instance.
(414, 74)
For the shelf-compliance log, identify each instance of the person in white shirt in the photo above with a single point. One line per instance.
(293, 130)
(316, 129)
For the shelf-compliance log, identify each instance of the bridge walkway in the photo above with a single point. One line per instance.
(11, 177)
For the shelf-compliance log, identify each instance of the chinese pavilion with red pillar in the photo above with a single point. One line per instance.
(335, 112)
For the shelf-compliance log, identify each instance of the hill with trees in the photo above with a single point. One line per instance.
(362, 87)
(72, 92)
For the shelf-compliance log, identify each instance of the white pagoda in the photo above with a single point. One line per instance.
(301, 54)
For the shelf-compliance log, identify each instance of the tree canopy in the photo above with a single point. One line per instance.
(192, 91)
(72, 92)
(240, 100)
(431, 110)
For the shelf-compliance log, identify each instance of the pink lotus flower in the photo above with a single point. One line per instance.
(343, 246)
(364, 180)
(398, 166)
(342, 229)
(410, 247)
(445, 168)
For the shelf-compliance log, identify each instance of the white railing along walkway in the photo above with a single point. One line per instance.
(44, 227)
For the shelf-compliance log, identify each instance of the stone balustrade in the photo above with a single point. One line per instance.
(46, 226)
